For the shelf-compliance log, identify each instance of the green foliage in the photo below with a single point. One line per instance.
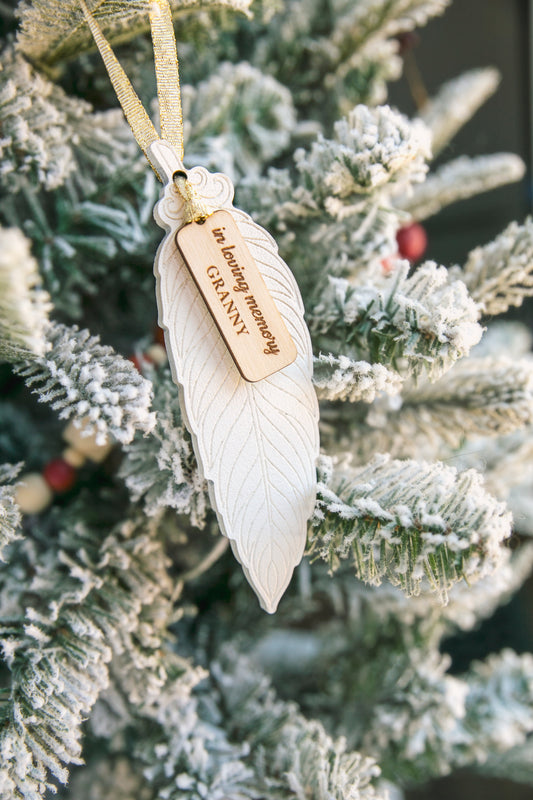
(86, 239)
(93, 625)
(412, 323)
(10, 516)
(161, 469)
(337, 212)
(87, 605)
(500, 274)
(341, 378)
(443, 722)
(54, 30)
(24, 305)
(237, 739)
(336, 54)
(478, 397)
(238, 119)
(90, 384)
(415, 524)
(465, 94)
(460, 179)
(38, 123)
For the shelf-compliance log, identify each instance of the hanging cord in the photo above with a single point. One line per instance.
(167, 74)
(138, 120)
(168, 93)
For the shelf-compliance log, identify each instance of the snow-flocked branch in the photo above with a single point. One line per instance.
(24, 304)
(478, 397)
(416, 323)
(456, 102)
(342, 378)
(237, 120)
(434, 722)
(54, 30)
(460, 179)
(91, 384)
(86, 605)
(161, 468)
(500, 274)
(414, 523)
(10, 516)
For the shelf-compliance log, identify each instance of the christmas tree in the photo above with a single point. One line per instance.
(135, 660)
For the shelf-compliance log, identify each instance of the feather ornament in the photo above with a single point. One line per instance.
(257, 443)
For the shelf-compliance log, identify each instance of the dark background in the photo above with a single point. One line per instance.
(479, 33)
(470, 34)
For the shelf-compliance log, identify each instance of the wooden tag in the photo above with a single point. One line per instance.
(236, 295)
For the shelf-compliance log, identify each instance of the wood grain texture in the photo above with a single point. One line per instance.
(236, 295)
(257, 443)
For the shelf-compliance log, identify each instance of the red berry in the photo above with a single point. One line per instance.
(412, 241)
(59, 475)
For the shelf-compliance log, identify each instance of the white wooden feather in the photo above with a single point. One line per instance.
(257, 443)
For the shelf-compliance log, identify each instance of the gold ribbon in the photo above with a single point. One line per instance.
(168, 93)
(139, 121)
(167, 74)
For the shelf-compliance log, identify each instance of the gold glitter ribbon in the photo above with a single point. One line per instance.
(167, 75)
(168, 93)
(139, 121)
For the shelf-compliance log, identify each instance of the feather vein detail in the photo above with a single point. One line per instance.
(257, 443)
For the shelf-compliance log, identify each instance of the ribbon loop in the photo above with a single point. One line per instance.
(167, 75)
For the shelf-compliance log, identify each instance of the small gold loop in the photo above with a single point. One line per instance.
(196, 210)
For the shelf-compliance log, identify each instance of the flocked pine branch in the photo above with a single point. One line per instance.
(342, 378)
(319, 767)
(514, 765)
(500, 274)
(460, 179)
(24, 304)
(456, 102)
(469, 605)
(55, 30)
(338, 207)
(372, 148)
(84, 604)
(364, 34)
(80, 236)
(47, 135)
(414, 524)
(332, 61)
(91, 384)
(161, 468)
(416, 323)
(237, 740)
(38, 122)
(239, 119)
(478, 397)
(385, 19)
(10, 516)
(434, 722)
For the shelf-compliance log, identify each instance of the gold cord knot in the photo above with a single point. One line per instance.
(196, 209)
